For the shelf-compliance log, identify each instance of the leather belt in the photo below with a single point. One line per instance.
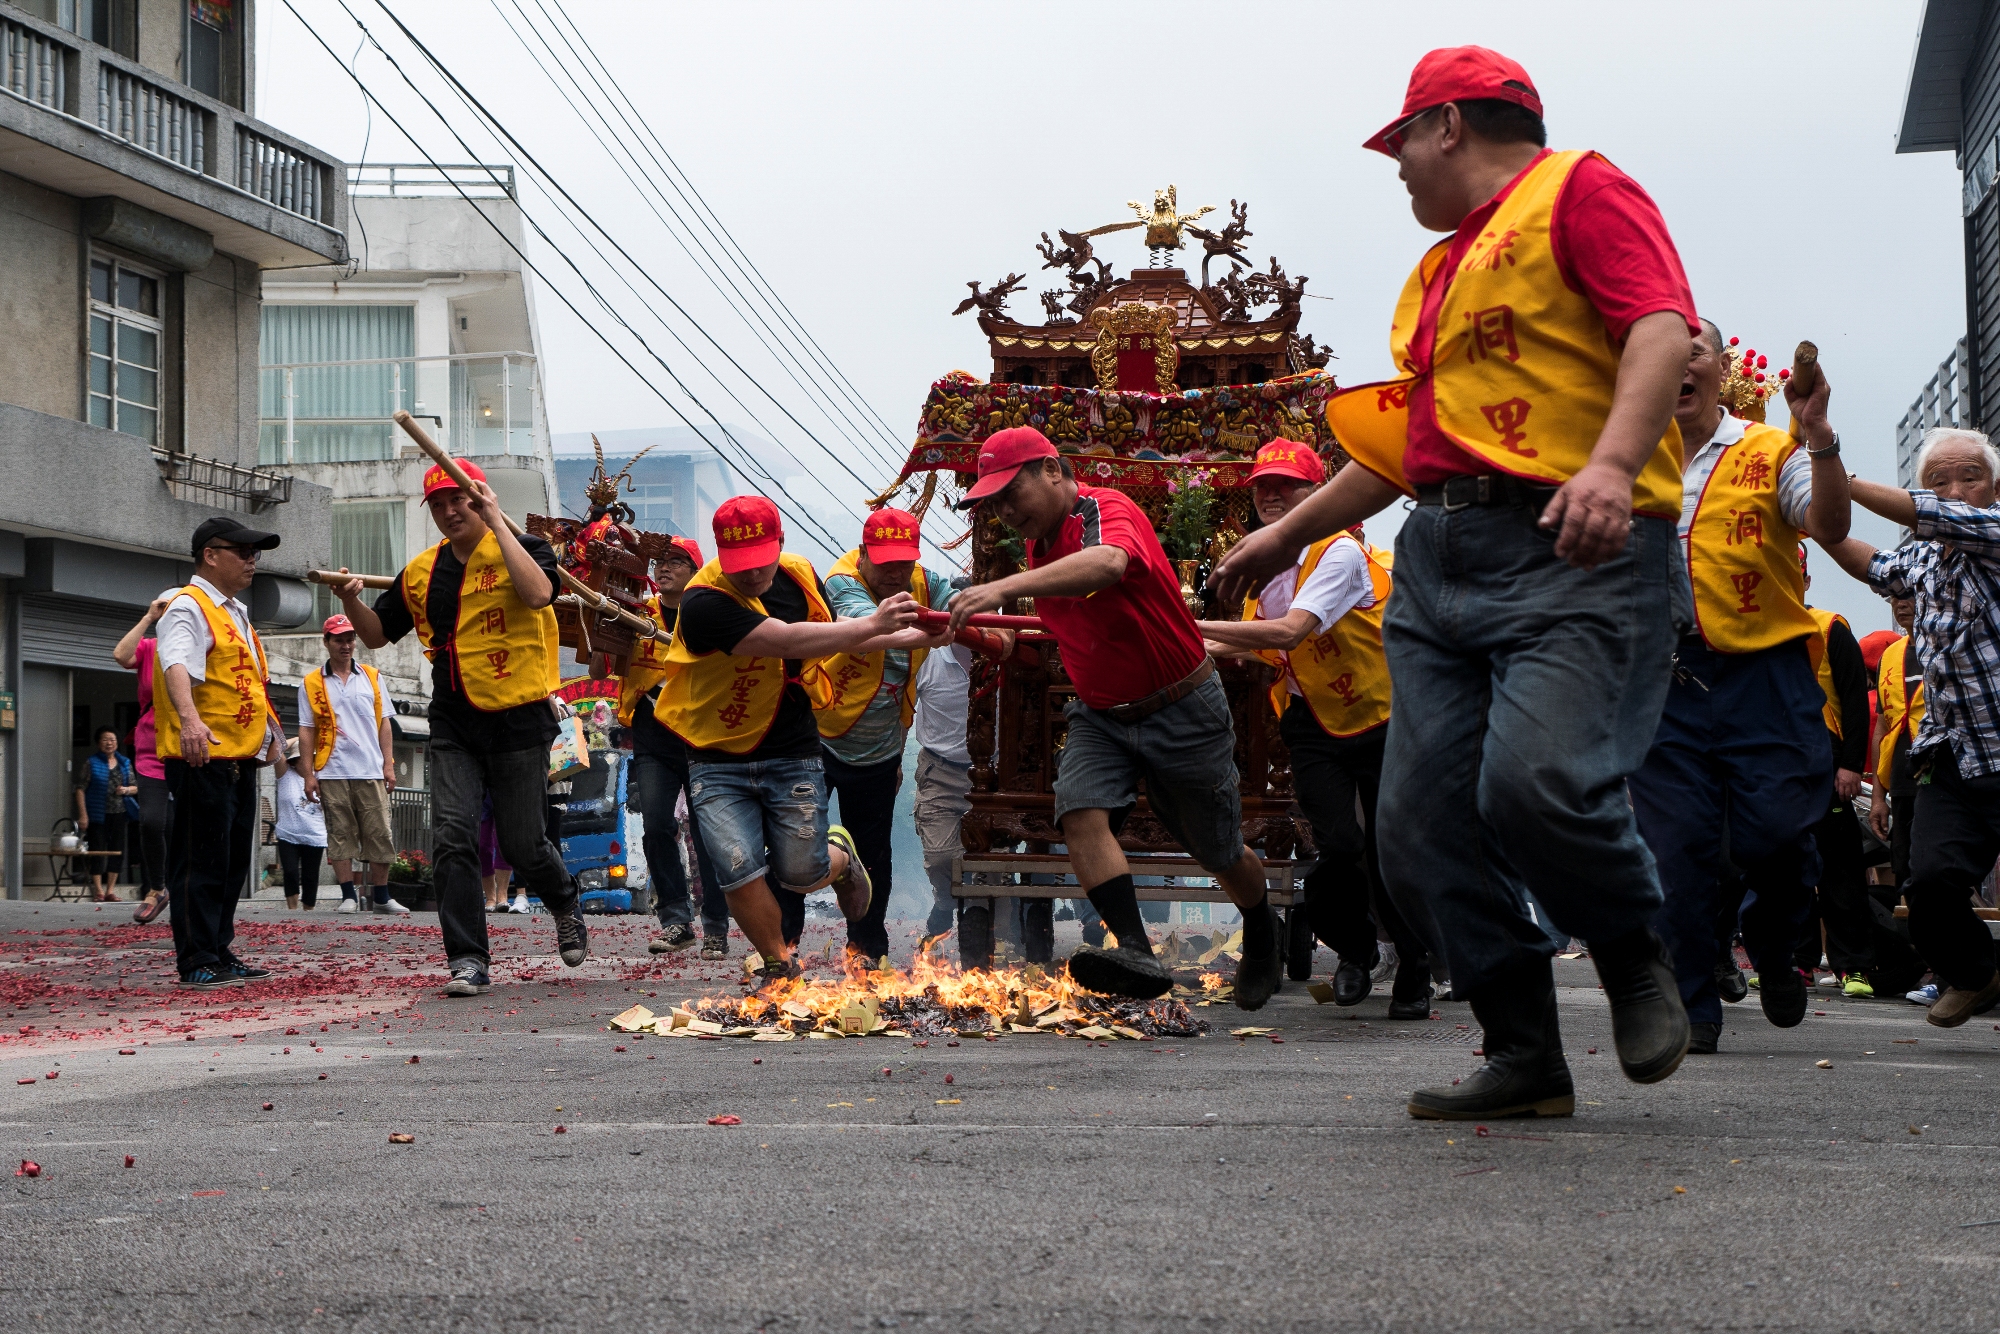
(1165, 695)
(1457, 493)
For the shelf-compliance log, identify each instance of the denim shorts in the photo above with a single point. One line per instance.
(762, 816)
(1187, 754)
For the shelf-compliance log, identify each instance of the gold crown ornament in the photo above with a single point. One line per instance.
(1748, 383)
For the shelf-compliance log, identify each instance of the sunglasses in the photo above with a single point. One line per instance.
(241, 553)
(1394, 139)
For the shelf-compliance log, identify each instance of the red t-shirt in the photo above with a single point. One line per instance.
(1612, 246)
(1124, 642)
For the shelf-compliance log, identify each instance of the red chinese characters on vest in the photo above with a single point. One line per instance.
(1507, 419)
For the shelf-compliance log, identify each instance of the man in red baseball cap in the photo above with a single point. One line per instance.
(743, 679)
(479, 603)
(1320, 624)
(1540, 349)
(347, 738)
(1149, 705)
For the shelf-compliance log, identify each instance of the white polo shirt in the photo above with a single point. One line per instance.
(1340, 583)
(357, 744)
(183, 631)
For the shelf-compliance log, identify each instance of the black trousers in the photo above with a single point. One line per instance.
(208, 856)
(867, 794)
(518, 781)
(156, 814)
(300, 863)
(1343, 893)
(1841, 905)
(1953, 844)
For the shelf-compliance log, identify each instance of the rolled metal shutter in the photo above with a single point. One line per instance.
(65, 632)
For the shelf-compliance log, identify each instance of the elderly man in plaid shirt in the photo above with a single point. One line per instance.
(1952, 569)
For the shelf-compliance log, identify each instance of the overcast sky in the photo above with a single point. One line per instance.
(873, 158)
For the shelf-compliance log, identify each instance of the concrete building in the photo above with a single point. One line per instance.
(675, 488)
(435, 315)
(140, 202)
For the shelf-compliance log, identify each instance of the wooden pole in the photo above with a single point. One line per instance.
(332, 577)
(1805, 376)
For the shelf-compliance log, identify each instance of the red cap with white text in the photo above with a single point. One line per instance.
(748, 533)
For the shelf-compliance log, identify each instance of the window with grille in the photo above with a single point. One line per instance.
(126, 334)
(367, 539)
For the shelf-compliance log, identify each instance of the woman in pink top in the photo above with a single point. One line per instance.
(135, 652)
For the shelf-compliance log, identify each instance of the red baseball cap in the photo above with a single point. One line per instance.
(1460, 74)
(1002, 456)
(337, 624)
(1288, 458)
(688, 548)
(437, 479)
(748, 533)
(891, 534)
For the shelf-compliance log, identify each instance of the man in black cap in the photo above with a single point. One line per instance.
(214, 721)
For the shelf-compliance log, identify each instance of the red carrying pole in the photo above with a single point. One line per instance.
(983, 621)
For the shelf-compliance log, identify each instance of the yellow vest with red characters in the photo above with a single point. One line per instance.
(1902, 710)
(324, 722)
(233, 699)
(1522, 368)
(845, 684)
(1742, 557)
(1341, 673)
(1822, 667)
(721, 701)
(504, 651)
(646, 668)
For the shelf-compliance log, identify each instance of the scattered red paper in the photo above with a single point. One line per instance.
(947, 1079)
(28, 1169)
(268, 1106)
(208, 1194)
(562, 1130)
(53, 1074)
(725, 1120)
(29, 1080)
(130, 1160)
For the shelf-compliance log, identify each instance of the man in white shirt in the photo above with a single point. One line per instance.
(944, 772)
(345, 730)
(214, 720)
(1320, 624)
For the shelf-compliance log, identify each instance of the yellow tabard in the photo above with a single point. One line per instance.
(646, 668)
(1341, 672)
(1902, 712)
(324, 722)
(720, 701)
(846, 684)
(504, 652)
(233, 699)
(1743, 558)
(1822, 668)
(1522, 367)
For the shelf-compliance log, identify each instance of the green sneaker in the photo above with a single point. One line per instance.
(853, 889)
(1857, 985)
(1755, 982)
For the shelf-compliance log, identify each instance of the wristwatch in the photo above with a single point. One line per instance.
(1832, 451)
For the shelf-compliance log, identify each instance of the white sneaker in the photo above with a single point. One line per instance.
(349, 905)
(393, 908)
(520, 905)
(1926, 994)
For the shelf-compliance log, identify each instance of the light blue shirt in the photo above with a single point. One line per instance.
(878, 734)
(1794, 479)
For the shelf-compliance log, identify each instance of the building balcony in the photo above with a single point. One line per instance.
(1945, 400)
(81, 120)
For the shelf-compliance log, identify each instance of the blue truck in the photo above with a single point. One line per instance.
(594, 838)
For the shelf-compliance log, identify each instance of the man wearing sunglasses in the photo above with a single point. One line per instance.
(1540, 349)
(214, 721)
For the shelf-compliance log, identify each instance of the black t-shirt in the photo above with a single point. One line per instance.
(454, 718)
(714, 622)
(649, 735)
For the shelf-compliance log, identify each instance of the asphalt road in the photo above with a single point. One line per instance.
(1198, 1184)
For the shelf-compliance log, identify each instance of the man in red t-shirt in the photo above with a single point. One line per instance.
(1539, 588)
(1148, 704)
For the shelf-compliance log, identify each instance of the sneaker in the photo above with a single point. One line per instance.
(773, 971)
(672, 940)
(1386, 964)
(349, 905)
(1925, 995)
(209, 979)
(243, 972)
(714, 947)
(1120, 972)
(572, 936)
(468, 978)
(854, 890)
(520, 905)
(393, 908)
(1857, 986)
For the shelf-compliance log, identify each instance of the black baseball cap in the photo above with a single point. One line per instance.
(233, 531)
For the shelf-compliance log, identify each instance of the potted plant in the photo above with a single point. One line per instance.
(410, 880)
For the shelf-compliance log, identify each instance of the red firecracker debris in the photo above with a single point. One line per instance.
(291, 1032)
(322, 1076)
(401, 1138)
(29, 1080)
(413, 1061)
(754, 1060)
(207, 1194)
(886, 1072)
(28, 1169)
(53, 1074)
(1593, 1051)
(725, 1120)
(127, 1051)
(618, 1049)
(947, 1079)
(268, 1106)
(130, 1160)
(562, 1130)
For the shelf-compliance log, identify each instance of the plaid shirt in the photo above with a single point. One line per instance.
(1952, 569)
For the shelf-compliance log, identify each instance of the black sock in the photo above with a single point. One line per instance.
(1118, 905)
(1259, 936)
(347, 889)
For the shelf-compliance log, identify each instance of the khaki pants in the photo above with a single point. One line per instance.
(944, 793)
(357, 820)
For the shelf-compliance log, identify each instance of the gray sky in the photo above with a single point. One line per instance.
(873, 158)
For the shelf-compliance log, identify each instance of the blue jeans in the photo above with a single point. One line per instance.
(660, 779)
(762, 817)
(1742, 750)
(1526, 692)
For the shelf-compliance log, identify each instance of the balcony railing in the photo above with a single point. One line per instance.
(420, 180)
(33, 66)
(278, 174)
(1946, 400)
(148, 116)
(342, 411)
(222, 485)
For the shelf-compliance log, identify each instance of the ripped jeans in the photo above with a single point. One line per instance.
(762, 817)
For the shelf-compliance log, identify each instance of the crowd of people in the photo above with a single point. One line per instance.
(1585, 697)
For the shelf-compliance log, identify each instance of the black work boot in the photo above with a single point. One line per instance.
(975, 937)
(1410, 994)
(1260, 972)
(1649, 1024)
(1525, 1073)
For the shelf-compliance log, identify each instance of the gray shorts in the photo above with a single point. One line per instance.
(1187, 755)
